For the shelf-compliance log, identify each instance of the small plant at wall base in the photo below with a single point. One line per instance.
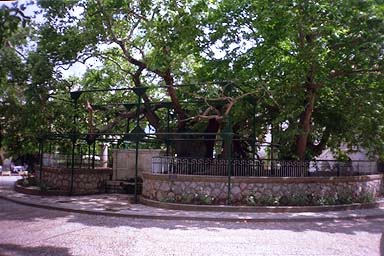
(168, 200)
(204, 199)
(343, 197)
(31, 181)
(264, 200)
(196, 198)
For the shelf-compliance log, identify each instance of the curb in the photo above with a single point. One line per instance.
(195, 218)
(259, 209)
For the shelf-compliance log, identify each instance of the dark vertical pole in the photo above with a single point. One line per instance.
(89, 156)
(67, 160)
(228, 137)
(272, 151)
(168, 120)
(81, 156)
(137, 147)
(41, 152)
(93, 155)
(254, 133)
(73, 147)
(75, 96)
(138, 133)
(72, 165)
(127, 131)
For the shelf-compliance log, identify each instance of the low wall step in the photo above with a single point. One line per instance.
(122, 186)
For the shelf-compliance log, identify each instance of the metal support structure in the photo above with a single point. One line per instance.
(41, 152)
(137, 135)
(89, 156)
(254, 132)
(75, 96)
(272, 150)
(168, 127)
(93, 154)
(228, 142)
(80, 152)
(134, 133)
(72, 166)
(127, 132)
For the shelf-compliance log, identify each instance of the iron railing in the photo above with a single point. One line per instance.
(260, 168)
(65, 161)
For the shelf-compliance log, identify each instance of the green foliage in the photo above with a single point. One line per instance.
(27, 80)
(32, 181)
(279, 46)
(191, 198)
(338, 198)
(306, 68)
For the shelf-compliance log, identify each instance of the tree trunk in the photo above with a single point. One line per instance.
(175, 100)
(209, 140)
(305, 125)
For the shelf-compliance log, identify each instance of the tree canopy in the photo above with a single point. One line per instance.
(307, 72)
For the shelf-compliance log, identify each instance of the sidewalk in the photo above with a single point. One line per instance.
(118, 205)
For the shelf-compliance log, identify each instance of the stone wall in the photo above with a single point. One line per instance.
(124, 162)
(85, 181)
(177, 188)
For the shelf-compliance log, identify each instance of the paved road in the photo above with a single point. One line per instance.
(34, 231)
(8, 181)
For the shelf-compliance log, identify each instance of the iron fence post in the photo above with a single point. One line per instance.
(41, 151)
(228, 137)
(93, 154)
(137, 135)
(168, 120)
(72, 165)
(254, 132)
(74, 96)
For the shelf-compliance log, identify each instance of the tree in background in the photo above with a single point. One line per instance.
(26, 82)
(302, 70)
(321, 62)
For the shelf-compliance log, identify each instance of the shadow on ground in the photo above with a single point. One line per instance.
(20, 250)
(382, 244)
(14, 213)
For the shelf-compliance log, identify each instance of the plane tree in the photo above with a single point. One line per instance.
(320, 61)
(302, 69)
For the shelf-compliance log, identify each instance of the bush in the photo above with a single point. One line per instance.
(344, 197)
(31, 181)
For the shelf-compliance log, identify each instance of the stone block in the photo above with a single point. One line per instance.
(124, 162)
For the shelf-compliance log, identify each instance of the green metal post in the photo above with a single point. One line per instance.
(127, 131)
(137, 148)
(137, 135)
(72, 165)
(41, 152)
(80, 152)
(93, 155)
(89, 156)
(73, 137)
(228, 137)
(254, 133)
(272, 151)
(168, 120)
(74, 96)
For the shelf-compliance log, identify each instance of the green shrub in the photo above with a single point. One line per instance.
(168, 200)
(365, 197)
(343, 197)
(31, 181)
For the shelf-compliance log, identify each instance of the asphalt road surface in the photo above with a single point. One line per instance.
(34, 231)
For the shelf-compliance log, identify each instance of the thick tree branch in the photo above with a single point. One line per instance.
(121, 117)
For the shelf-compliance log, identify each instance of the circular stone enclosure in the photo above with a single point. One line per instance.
(85, 181)
(265, 190)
